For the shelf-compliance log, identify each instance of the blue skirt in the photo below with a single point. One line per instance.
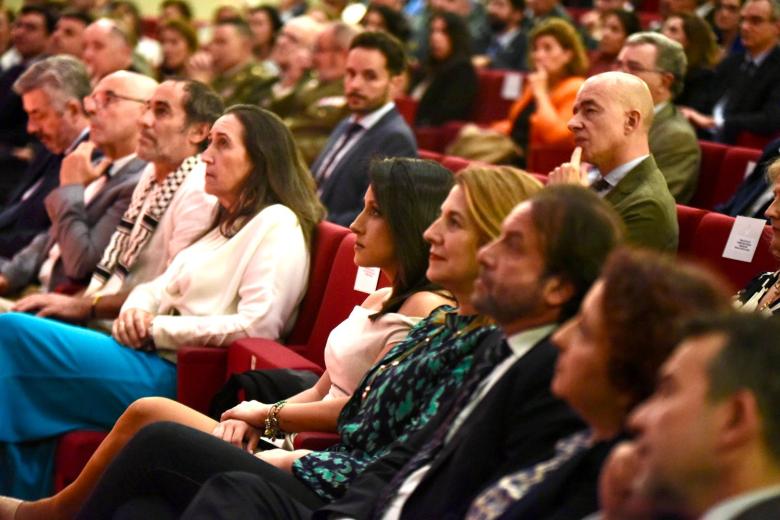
(55, 378)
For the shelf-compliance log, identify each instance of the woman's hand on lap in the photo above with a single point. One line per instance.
(251, 412)
(133, 328)
(238, 433)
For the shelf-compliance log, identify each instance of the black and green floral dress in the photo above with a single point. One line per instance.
(396, 397)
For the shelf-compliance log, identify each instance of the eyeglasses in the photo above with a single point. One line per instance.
(633, 68)
(104, 98)
(729, 8)
(753, 20)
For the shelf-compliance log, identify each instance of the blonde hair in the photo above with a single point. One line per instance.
(773, 171)
(492, 192)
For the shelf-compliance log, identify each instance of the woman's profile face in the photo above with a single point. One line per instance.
(374, 245)
(374, 21)
(549, 54)
(441, 45)
(174, 49)
(262, 28)
(227, 162)
(454, 240)
(673, 29)
(613, 36)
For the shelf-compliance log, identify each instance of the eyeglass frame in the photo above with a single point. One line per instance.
(110, 96)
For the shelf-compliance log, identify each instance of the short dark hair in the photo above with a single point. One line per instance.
(648, 299)
(75, 14)
(241, 26)
(395, 22)
(183, 7)
(49, 14)
(278, 174)
(458, 34)
(409, 193)
(628, 20)
(577, 231)
(273, 16)
(517, 5)
(749, 359)
(201, 104)
(388, 45)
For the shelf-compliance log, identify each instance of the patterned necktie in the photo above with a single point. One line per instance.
(324, 172)
(497, 498)
(600, 185)
(490, 358)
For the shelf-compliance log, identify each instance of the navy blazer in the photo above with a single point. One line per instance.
(752, 187)
(342, 192)
(516, 424)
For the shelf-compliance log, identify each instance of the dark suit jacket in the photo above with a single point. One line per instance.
(752, 187)
(769, 508)
(450, 94)
(513, 56)
(676, 151)
(516, 424)
(643, 201)
(753, 102)
(342, 193)
(81, 231)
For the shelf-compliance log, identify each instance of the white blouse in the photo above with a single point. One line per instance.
(219, 289)
(355, 343)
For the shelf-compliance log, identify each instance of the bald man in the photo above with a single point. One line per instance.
(613, 113)
(107, 49)
(92, 195)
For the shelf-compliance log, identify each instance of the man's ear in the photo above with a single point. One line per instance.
(197, 133)
(632, 122)
(557, 291)
(668, 80)
(739, 420)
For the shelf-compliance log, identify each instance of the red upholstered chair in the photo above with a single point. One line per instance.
(732, 172)
(543, 159)
(203, 370)
(490, 104)
(429, 155)
(751, 140)
(407, 107)
(712, 155)
(454, 163)
(688, 219)
(709, 241)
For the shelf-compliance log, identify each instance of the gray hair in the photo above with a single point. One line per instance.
(343, 34)
(62, 78)
(670, 56)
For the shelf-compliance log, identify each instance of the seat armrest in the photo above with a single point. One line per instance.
(263, 354)
(201, 374)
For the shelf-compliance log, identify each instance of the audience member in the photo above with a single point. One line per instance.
(69, 378)
(179, 42)
(289, 9)
(448, 64)
(424, 368)
(380, 17)
(175, 9)
(745, 94)
(147, 54)
(6, 22)
(540, 10)
(313, 110)
(603, 371)
(726, 26)
(668, 8)
(707, 441)
(701, 51)
(473, 12)
(168, 210)
(660, 63)
(51, 91)
(763, 292)
(613, 114)
(265, 24)
(593, 22)
(375, 65)
(107, 49)
(508, 45)
(91, 197)
(617, 26)
(68, 37)
(755, 193)
(391, 240)
(228, 66)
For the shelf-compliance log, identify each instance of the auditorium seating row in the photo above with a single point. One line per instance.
(331, 297)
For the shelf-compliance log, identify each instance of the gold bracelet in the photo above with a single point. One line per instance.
(272, 430)
(92, 308)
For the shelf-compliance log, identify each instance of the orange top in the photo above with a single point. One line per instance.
(548, 126)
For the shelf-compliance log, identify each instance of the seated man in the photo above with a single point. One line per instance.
(755, 194)
(87, 206)
(107, 49)
(707, 441)
(613, 114)
(68, 37)
(660, 62)
(52, 91)
(168, 211)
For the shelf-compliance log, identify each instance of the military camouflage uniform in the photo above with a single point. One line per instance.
(250, 84)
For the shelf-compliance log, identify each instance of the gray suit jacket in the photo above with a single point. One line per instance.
(81, 231)
(675, 148)
(647, 208)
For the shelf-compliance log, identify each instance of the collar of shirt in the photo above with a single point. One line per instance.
(78, 139)
(118, 164)
(506, 38)
(660, 106)
(732, 507)
(372, 118)
(759, 58)
(616, 175)
(522, 342)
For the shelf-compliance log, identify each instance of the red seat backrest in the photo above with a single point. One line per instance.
(688, 220)
(712, 155)
(490, 105)
(326, 241)
(544, 158)
(407, 107)
(732, 172)
(454, 163)
(708, 244)
(429, 155)
(751, 140)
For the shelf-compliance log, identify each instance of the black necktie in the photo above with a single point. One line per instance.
(322, 173)
(600, 185)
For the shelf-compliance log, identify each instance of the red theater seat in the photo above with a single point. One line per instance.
(712, 155)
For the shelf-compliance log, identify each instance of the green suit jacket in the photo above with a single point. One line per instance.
(643, 201)
(249, 84)
(675, 148)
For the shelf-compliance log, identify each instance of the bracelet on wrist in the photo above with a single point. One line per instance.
(272, 429)
(93, 306)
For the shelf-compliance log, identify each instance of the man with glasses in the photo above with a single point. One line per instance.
(660, 63)
(91, 198)
(746, 89)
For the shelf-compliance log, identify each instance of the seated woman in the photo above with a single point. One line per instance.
(402, 200)
(762, 293)
(702, 53)
(382, 18)
(605, 368)
(57, 377)
(617, 25)
(395, 397)
(178, 42)
(447, 84)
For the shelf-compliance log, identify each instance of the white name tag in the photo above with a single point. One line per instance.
(367, 279)
(512, 86)
(749, 167)
(743, 240)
